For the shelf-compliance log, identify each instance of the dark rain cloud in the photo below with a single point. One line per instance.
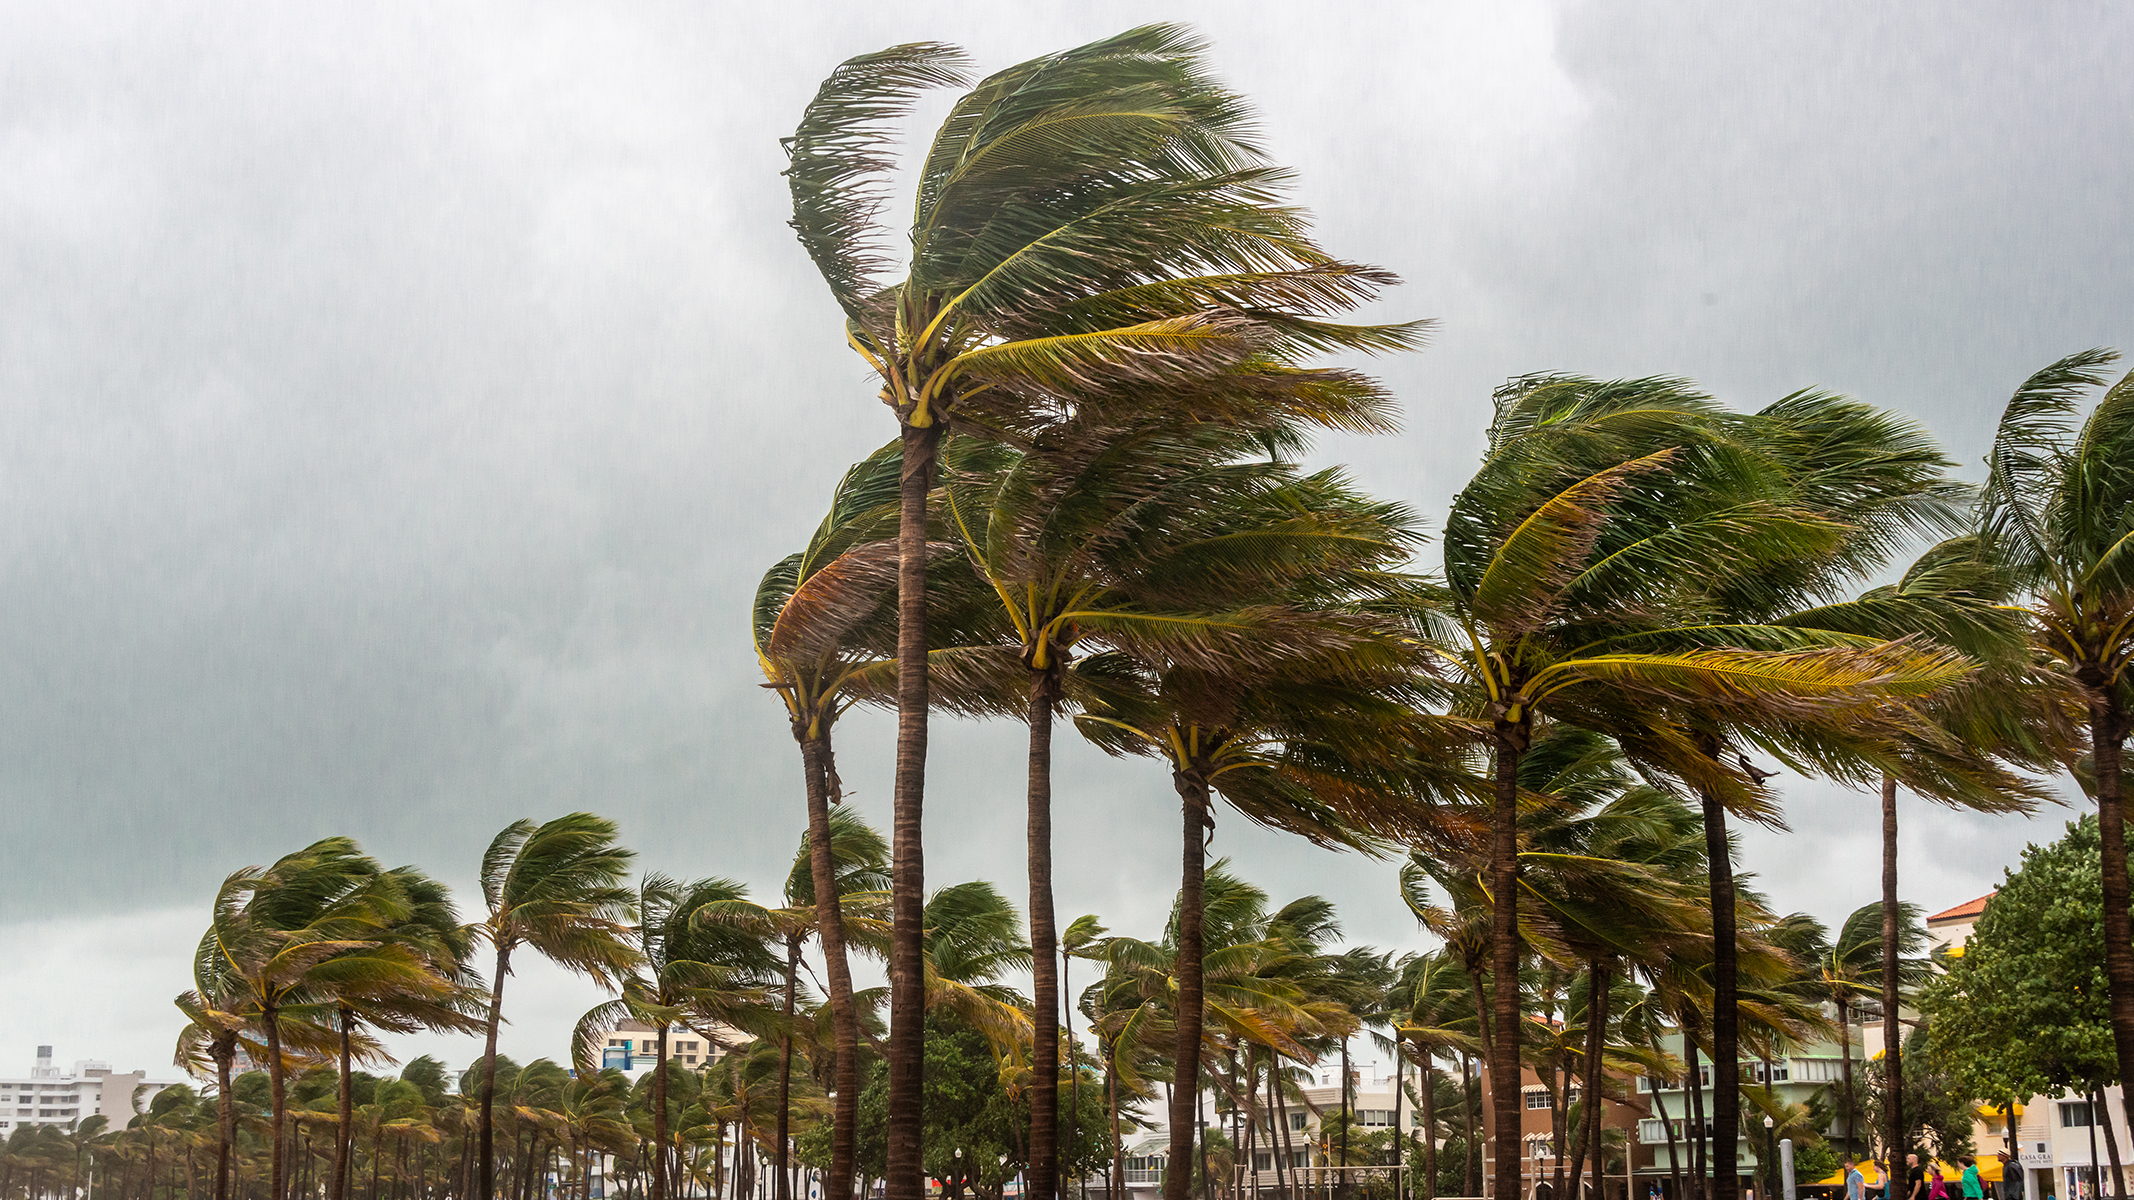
(400, 405)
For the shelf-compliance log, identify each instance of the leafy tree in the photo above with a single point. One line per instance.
(2025, 1009)
(1097, 222)
(2057, 514)
(558, 888)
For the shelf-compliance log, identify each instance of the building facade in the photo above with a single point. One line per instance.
(632, 1047)
(48, 1096)
(1536, 1142)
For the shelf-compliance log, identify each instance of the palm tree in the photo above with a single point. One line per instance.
(1605, 518)
(2057, 514)
(1131, 534)
(1841, 971)
(415, 978)
(272, 930)
(557, 888)
(857, 860)
(1432, 1012)
(824, 628)
(687, 972)
(1090, 222)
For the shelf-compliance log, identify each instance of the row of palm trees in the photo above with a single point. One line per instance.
(1100, 344)
(1278, 998)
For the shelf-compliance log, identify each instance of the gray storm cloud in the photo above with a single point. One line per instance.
(401, 403)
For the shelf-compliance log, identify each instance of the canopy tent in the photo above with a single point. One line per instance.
(1989, 1171)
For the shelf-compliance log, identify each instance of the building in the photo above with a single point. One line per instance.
(2053, 1134)
(92, 1089)
(1536, 1146)
(1795, 1079)
(632, 1046)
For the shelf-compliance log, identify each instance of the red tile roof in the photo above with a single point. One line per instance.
(1969, 908)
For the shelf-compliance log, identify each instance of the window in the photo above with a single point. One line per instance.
(1296, 1122)
(1571, 1095)
(1537, 1100)
(1376, 1118)
(2075, 1115)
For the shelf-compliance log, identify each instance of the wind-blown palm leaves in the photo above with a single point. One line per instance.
(1088, 223)
(1160, 542)
(417, 977)
(696, 974)
(265, 960)
(1596, 564)
(558, 888)
(2057, 514)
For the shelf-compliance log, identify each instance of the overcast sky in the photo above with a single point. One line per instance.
(401, 402)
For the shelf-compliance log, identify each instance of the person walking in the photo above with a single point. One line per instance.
(1915, 1178)
(1972, 1187)
(2011, 1186)
(1855, 1183)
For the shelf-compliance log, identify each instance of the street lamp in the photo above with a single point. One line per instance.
(1769, 1157)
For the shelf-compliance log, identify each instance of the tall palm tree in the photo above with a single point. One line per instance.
(1090, 222)
(1432, 1014)
(1604, 519)
(558, 888)
(1128, 533)
(2057, 514)
(1842, 970)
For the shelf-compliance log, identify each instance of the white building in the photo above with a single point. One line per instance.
(47, 1097)
(633, 1046)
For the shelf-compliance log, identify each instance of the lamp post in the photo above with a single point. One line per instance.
(1766, 1159)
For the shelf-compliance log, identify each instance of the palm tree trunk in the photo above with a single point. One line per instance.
(2111, 1145)
(1400, 1087)
(830, 935)
(345, 1108)
(1042, 1180)
(1699, 1142)
(1470, 1154)
(1074, 1067)
(276, 1180)
(907, 984)
(1192, 788)
(782, 1187)
(659, 1115)
(1892, 1028)
(225, 1052)
(1116, 1186)
(1674, 1157)
(1276, 1118)
(1426, 1093)
(1596, 1039)
(1726, 1015)
(2108, 729)
(1344, 1177)
(1504, 1086)
(488, 1128)
(1845, 1066)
